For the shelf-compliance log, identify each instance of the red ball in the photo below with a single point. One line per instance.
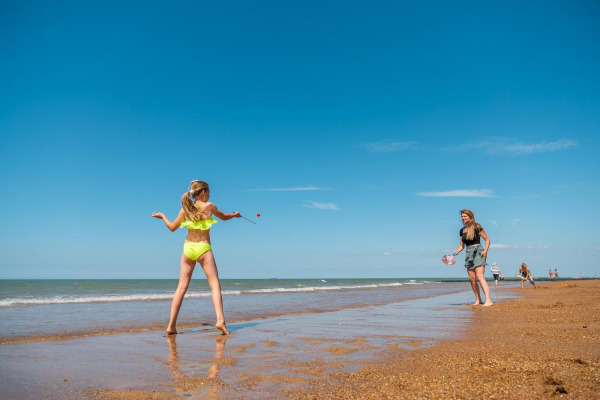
(258, 214)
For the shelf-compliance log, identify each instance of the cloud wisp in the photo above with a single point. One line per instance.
(389, 146)
(499, 246)
(459, 193)
(496, 146)
(290, 189)
(321, 206)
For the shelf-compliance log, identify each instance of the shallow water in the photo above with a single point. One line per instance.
(51, 309)
(259, 358)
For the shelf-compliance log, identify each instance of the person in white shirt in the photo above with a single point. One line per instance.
(496, 272)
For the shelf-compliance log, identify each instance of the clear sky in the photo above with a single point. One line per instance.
(358, 129)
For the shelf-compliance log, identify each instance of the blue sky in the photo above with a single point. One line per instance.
(357, 129)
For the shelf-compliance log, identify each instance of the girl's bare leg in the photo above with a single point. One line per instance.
(474, 286)
(185, 275)
(212, 275)
(479, 273)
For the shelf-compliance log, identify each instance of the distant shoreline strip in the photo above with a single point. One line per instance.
(15, 302)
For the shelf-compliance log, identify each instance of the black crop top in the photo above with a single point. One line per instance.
(475, 240)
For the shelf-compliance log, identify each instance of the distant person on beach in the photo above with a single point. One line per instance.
(496, 273)
(550, 273)
(197, 217)
(525, 275)
(556, 273)
(475, 256)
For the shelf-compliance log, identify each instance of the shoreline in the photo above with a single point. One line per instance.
(260, 359)
(35, 322)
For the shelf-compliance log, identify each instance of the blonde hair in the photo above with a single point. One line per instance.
(472, 226)
(191, 211)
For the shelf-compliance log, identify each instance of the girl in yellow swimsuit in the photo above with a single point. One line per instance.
(197, 217)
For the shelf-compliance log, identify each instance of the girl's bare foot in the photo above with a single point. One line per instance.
(172, 331)
(488, 303)
(220, 325)
(477, 303)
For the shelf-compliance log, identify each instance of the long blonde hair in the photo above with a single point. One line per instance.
(192, 213)
(472, 226)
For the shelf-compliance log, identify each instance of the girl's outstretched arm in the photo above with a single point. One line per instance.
(461, 246)
(171, 225)
(221, 215)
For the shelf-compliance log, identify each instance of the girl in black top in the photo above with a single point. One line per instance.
(475, 256)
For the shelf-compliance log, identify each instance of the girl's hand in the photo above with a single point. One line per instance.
(484, 254)
(158, 215)
(237, 214)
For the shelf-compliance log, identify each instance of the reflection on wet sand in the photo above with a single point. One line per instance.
(195, 385)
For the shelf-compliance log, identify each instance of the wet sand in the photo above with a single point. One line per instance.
(542, 345)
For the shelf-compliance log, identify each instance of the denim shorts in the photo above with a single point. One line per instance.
(473, 257)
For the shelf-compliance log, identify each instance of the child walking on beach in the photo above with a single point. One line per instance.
(475, 256)
(197, 217)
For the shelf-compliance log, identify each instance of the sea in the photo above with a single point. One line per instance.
(51, 309)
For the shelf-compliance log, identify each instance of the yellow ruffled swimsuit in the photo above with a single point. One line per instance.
(194, 250)
(203, 224)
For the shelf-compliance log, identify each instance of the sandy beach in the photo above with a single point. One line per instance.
(543, 344)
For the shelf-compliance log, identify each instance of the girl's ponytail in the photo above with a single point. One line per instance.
(187, 205)
(196, 188)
